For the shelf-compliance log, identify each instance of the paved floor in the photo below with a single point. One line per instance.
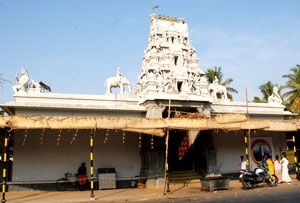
(192, 191)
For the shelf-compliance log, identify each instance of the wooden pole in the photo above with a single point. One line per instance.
(247, 110)
(167, 180)
(247, 134)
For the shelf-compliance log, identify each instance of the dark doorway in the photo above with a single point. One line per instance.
(179, 153)
(204, 152)
(179, 85)
(175, 60)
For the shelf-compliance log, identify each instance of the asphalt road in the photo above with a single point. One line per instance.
(282, 193)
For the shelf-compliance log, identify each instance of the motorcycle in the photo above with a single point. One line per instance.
(260, 175)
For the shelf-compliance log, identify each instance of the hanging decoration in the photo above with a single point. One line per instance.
(42, 136)
(25, 137)
(183, 147)
(123, 137)
(152, 142)
(140, 141)
(106, 136)
(58, 137)
(74, 136)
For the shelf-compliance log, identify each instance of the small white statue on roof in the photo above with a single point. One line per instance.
(119, 74)
(275, 97)
(22, 82)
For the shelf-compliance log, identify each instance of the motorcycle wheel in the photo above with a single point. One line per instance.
(273, 180)
(246, 183)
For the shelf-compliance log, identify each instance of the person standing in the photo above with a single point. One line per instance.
(270, 165)
(278, 167)
(82, 174)
(243, 164)
(264, 161)
(285, 170)
(119, 74)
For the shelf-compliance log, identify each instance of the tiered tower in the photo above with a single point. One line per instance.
(170, 63)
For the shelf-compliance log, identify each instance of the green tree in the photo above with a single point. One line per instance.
(211, 73)
(292, 90)
(266, 90)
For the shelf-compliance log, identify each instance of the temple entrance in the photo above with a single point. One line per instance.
(180, 150)
(199, 156)
(180, 153)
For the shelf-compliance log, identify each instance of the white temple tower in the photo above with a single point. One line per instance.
(170, 64)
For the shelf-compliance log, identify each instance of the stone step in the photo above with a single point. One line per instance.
(183, 176)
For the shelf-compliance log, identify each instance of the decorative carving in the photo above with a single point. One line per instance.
(216, 89)
(170, 63)
(35, 86)
(119, 81)
(275, 97)
(22, 82)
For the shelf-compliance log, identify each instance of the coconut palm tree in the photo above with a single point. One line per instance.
(266, 90)
(211, 73)
(292, 86)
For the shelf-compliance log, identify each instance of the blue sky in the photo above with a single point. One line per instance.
(75, 45)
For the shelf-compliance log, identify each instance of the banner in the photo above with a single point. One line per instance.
(259, 147)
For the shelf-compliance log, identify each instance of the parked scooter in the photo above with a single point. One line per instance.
(260, 175)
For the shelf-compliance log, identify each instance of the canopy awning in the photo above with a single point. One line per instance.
(153, 126)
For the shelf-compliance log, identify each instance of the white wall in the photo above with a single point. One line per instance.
(36, 161)
(230, 146)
